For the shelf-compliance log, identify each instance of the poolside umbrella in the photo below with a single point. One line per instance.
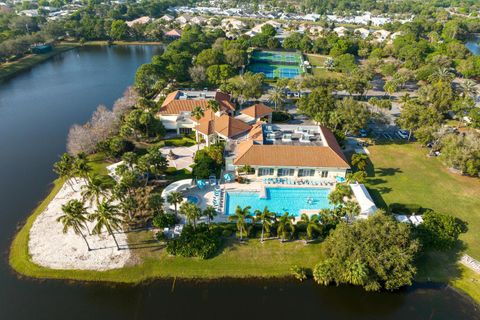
(228, 177)
(340, 179)
(201, 184)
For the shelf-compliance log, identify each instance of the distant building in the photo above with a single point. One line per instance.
(141, 20)
(173, 34)
(167, 18)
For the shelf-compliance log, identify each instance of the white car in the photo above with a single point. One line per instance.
(403, 134)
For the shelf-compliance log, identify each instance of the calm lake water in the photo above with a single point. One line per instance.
(36, 109)
(474, 45)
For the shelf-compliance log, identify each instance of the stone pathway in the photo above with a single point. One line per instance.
(471, 263)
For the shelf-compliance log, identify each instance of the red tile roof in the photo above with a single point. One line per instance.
(258, 110)
(173, 106)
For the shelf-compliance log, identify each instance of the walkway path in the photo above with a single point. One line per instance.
(471, 263)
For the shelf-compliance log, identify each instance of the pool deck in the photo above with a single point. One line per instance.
(206, 195)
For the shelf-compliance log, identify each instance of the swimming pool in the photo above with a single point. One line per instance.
(279, 200)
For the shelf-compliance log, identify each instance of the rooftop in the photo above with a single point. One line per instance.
(186, 100)
(279, 146)
(280, 134)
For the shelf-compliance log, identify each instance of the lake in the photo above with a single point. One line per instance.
(473, 45)
(36, 109)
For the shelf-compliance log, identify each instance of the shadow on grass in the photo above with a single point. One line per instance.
(440, 266)
(373, 187)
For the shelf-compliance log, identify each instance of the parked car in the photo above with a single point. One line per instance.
(403, 134)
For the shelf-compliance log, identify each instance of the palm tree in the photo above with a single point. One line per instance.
(276, 96)
(214, 105)
(175, 198)
(240, 217)
(191, 212)
(65, 168)
(285, 224)
(210, 213)
(74, 218)
(352, 209)
(81, 166)
(106, 216)
(312, 224)
(442, 75)
(355, 273)
(198, 114)
(266, 218)
(468, 88)
(94, 189)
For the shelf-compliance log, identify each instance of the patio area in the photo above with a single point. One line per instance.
(181, 157)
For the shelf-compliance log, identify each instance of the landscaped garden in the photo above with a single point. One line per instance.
(402, 173)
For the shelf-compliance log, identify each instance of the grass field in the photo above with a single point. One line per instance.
(402, 173)
(317, 62)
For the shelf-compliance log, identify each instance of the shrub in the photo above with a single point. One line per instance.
(299, 273)
(227, 233)
(440, 231)
(281, 116)
(164, 220)
(202, 242)
(374, 253)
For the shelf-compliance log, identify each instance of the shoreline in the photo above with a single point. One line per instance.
(21, 263)
(11, 69)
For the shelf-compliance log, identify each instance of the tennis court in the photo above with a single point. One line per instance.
(276, 64)
(277, 57)
(273, 71)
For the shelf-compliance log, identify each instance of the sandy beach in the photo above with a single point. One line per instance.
(50, 247)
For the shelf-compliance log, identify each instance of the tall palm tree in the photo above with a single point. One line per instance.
(175, 198)
(198, 114)
(240, 218)
(468, 88)
(312, 224)
(352, 209)
(191, 212)
(81, 166)
(74, 218)
(210, 213)
(65, 168)
(277, 96)
(107, 216)
(94, 189)
(266, 218)
(285, 225)
(214, 105)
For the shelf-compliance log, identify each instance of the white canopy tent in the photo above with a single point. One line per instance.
(367, 206)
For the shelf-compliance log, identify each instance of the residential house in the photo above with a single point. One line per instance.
(381, 35)
(182, 20)
(141, 20)
(198, 20)
(340, 31)
(173, 34)
(364, 33)
(217, 126)
(232, 24)
(167, 18)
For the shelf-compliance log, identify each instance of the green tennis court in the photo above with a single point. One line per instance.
(276, 64)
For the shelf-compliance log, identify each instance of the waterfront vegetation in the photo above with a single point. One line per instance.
(395, 174)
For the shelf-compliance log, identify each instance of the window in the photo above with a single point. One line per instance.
(306, 172)
(324, 174)
(285, 172)
(185, 130)
(265, 171)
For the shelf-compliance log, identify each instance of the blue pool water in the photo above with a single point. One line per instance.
(280, 200)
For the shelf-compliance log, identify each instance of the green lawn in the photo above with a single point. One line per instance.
(317, 59)
(402, 173)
